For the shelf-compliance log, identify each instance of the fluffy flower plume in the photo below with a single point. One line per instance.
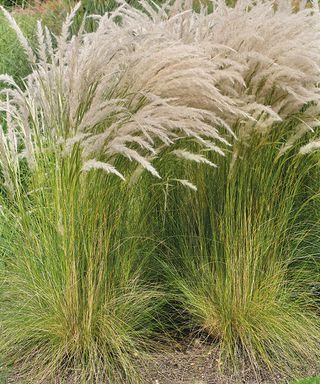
(164, 75)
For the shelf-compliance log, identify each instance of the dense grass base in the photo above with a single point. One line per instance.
(241, 262)
(73, 293)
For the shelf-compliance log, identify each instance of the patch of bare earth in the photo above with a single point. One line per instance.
(198, 364)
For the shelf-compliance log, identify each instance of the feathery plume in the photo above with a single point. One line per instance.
(165, 76)
(94, 164)
(310, 147)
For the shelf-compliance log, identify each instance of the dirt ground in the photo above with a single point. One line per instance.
(194, 361)
(198, 364)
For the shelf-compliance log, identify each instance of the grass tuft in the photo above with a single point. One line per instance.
(239, 262)
(74, 302)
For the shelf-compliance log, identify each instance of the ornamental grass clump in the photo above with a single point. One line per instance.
(76, 301)
(244, 259)
(153, 89)
(244, 262)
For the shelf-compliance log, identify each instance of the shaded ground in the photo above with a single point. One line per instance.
(198, 364)
(195, 362)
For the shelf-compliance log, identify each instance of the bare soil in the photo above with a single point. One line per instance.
(199, 364)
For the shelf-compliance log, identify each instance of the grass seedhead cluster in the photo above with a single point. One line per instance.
(89, 90)
(96, 255)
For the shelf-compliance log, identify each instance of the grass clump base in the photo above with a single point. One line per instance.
(73, 301)
(241, 264)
